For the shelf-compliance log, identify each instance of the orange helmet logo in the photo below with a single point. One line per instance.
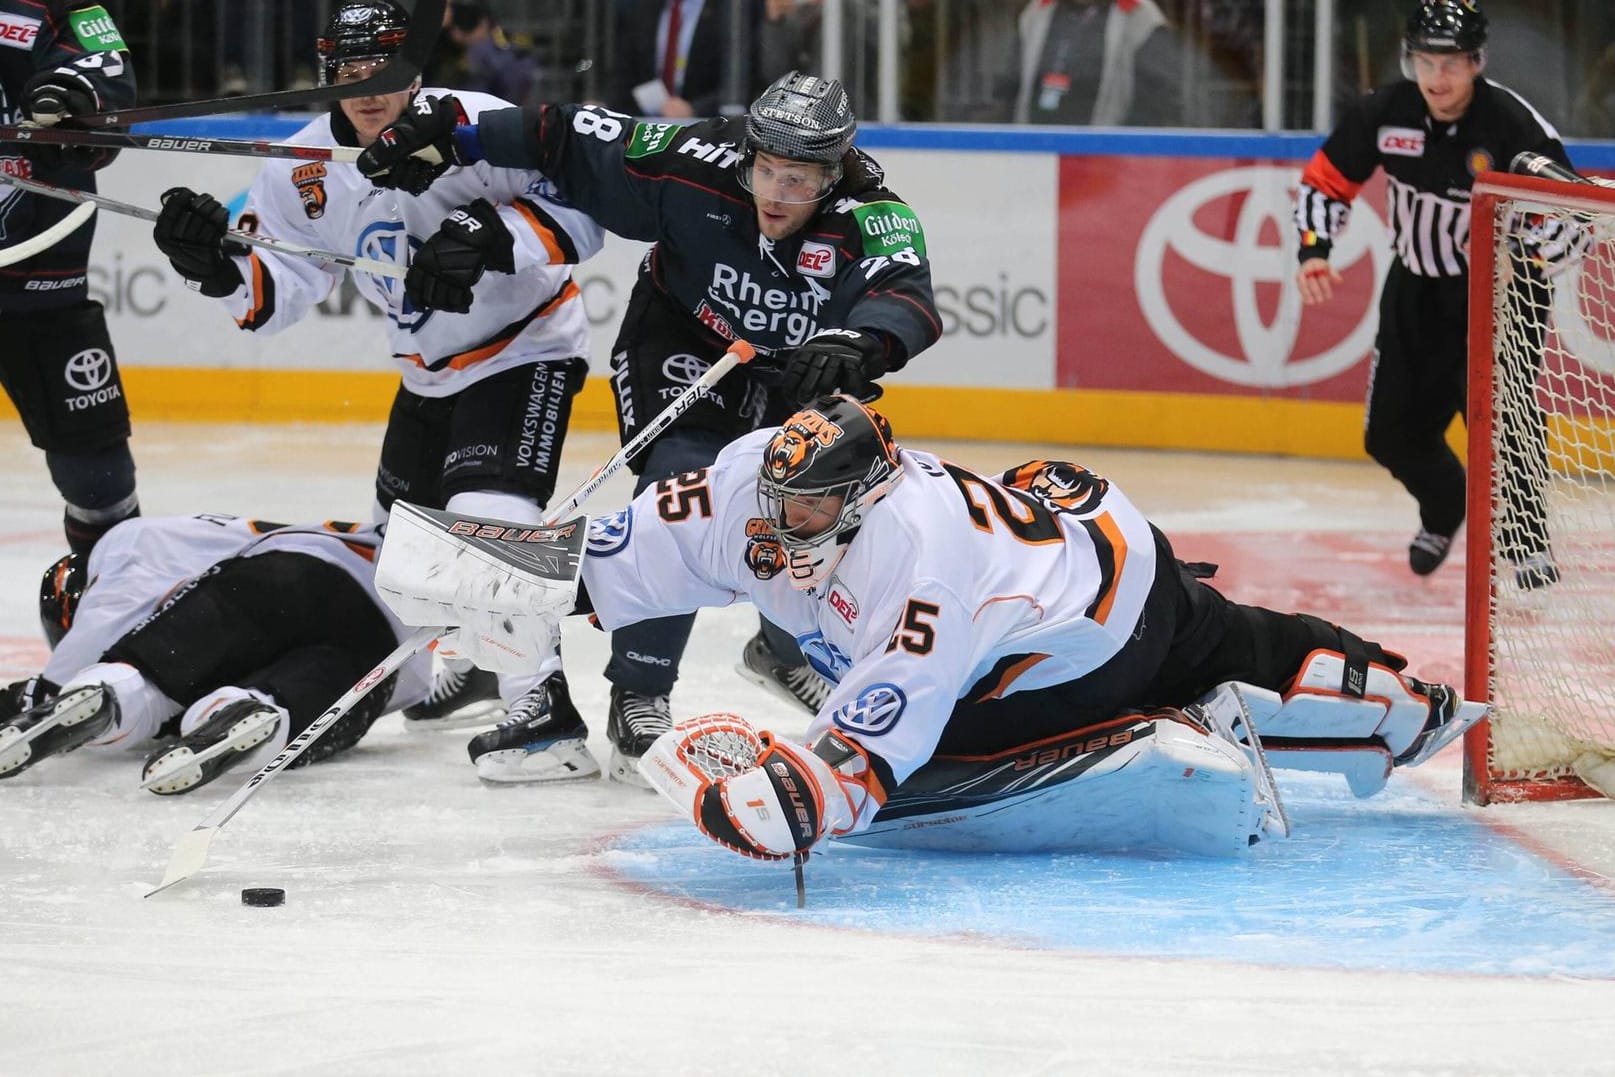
(791, 451)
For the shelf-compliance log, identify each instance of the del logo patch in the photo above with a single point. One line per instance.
(1401, 141)
(18, 31)
(816, 260)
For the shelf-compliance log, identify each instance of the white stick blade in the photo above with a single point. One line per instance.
(190, 854)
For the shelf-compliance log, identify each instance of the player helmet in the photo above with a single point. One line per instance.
(360, 30)
(801, 118)
(1444, 26)
(820, 473)
(59, 595)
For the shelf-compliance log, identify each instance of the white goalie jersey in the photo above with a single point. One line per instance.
(141, 563)
(533, 314)
(956, 586)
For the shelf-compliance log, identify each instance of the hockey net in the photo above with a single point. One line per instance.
(1540, 617)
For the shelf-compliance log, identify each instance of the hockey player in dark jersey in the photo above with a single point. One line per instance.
(1432, 134)
(769, 227)
(58, 60)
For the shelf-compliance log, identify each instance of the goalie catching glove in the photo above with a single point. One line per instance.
(418, 147)
(748, 790)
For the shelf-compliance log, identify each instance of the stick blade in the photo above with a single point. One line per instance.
(190, 854)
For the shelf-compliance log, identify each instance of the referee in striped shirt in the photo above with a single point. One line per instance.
(1432, 134)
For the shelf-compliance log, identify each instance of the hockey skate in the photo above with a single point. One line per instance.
(1536, 571)
(800, 685)
(1427, 551)
(1450, 717)
(65, 723)
(462, 695)
(543, 739)
(224, 739)
(633, 725)
(18, 697)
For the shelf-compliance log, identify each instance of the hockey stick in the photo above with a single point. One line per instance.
(425, 22)
(59, 136)
(51, 236)
(268, 243)
(190, 853)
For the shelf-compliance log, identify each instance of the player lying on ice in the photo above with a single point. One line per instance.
(232, 633)
(1020, 662)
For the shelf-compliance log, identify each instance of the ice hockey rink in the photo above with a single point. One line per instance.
(437, 925)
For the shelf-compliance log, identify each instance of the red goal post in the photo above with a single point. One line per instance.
(1540, 586)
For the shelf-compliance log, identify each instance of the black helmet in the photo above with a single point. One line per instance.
(59, 595)
(801, 118)
(1445, 26)
(837, 447)
(360, 30)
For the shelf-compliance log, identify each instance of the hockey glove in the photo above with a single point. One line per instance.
(833, 361)
(50, 97)
(444, 270)
(418, 147)
(191, 230)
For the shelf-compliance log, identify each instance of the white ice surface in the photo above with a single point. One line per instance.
(435, 925)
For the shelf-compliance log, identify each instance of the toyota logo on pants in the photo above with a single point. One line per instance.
(89, 370)
(1265, 355)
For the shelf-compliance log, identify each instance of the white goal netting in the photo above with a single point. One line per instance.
(1542, 590)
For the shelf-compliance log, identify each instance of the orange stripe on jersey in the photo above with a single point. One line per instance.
(1011, 675)
(1085, 733)
(1105, 525)
(257, 286)
(1322, 175)
(366, 552)
(546, 235)
(493, 348)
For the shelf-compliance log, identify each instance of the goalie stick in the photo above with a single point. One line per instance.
(425, 22)
(60, 136)
(190, 852)
(282, 246)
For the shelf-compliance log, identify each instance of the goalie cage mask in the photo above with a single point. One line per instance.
(59, 593)
(836, 449)
(1444, 26)
(360, 30)
(800, 118)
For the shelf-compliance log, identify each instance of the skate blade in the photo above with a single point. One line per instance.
(625, 770)
(563, 761)
(180, 773)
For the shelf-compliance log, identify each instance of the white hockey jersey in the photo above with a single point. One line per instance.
(139, 564)
(535, 313)
(956, 586)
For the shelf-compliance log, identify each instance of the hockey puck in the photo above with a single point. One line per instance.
(263, 896)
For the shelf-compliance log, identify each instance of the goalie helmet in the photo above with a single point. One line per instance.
(820, 474)
(800, 118)
(1444, 26)
(360, 30)
(59, 595)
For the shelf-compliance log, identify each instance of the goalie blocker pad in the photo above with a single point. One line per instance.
(504, 586)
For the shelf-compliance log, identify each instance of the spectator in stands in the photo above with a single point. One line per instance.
(790, 37)
(673, 58)
(1108, 63)
(475, 53)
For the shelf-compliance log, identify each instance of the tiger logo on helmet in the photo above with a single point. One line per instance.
(792, 450)
(1061, 486)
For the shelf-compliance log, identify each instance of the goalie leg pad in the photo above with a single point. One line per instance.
(1332, 697)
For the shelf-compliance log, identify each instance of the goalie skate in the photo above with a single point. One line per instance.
(67, 722)
(219, 743)
(544, 739)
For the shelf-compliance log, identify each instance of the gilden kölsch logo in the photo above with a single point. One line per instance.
(1226, 304)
